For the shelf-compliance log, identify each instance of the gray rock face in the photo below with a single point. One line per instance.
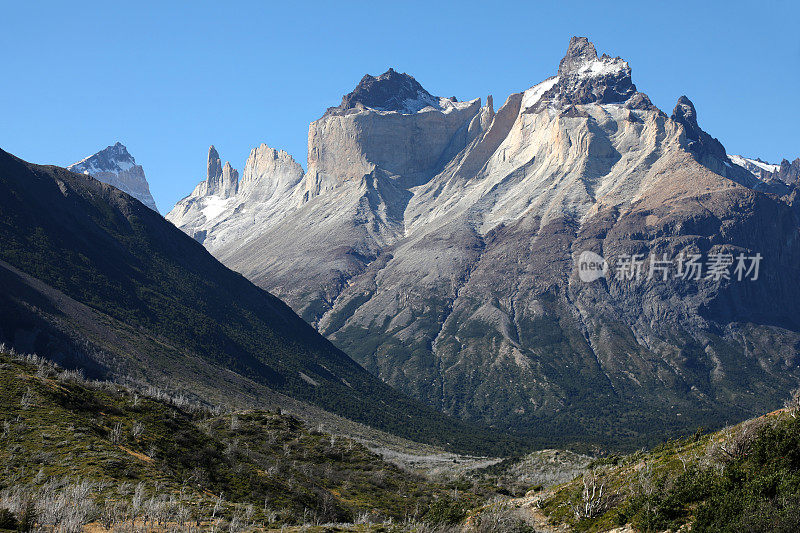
(708, 151)
(788, 173)
(409, 144)
(699, 142)
(115, 166)
(438, 248)
(214, 166)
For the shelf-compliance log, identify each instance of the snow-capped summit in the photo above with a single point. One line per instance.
(115, 166)
(585, 78)
(753, 165)
(112, 159)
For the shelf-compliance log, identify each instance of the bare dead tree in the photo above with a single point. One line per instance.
(594, 501)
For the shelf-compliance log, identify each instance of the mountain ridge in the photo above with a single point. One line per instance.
(163, 308)
(438, 249)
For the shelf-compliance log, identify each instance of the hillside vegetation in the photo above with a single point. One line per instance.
(74, 452)
(745, 478)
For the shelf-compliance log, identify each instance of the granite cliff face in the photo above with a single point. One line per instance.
(115, 166)
(435, 241)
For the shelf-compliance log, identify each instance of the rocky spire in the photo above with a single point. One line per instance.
(789, 172)
(214, 168)
(220, 180)
(699, 142)
(579, 52)
(685, 113)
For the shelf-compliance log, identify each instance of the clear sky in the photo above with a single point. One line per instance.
(168, 79)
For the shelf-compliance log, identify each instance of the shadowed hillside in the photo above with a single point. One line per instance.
(96, 280)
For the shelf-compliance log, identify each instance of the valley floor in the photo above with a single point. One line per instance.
(80, 455)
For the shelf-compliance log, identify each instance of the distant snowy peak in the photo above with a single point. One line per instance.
(115, 166)
(787, 172)
(756, 166)
(392, 91)
(111, 159)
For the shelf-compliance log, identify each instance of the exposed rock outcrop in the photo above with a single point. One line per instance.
(408, 135)
(787, 172)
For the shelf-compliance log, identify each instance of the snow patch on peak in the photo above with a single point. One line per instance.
(392, 92)
(113, 158)
(422, 100)
(535, 93)
(215, 206)
(602, 67)
(743, 162)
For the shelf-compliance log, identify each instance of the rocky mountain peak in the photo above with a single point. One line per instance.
(110, 159)
(685, 113)
(585, 78)
(391, 91)
(789, 172)
(117, 167)
(579, 52)
(479, 213)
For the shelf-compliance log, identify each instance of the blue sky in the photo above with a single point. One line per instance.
(170, 78)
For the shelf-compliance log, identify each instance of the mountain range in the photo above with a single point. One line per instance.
(435, 241)
(94, 279)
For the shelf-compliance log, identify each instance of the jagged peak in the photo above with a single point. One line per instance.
(579, 52)
(221, 180)
(582, 60)
(585, 78)
(391, 91)
(116, 166)
(685, 112)
(264, 150)
(703, 146)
